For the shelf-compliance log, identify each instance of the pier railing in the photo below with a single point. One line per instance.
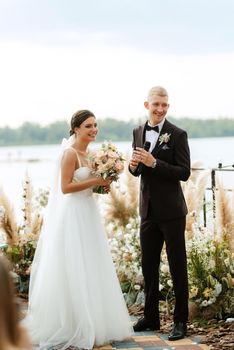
(213, 188)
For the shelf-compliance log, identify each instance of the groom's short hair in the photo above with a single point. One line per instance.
(157, 90)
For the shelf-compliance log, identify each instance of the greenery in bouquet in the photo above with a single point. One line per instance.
(106, 162)
(21, 239)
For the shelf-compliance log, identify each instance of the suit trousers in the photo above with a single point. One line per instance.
(152, 237)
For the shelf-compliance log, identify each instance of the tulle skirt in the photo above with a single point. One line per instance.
(75, 298)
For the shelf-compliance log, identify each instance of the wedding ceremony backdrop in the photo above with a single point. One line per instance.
(209, 240)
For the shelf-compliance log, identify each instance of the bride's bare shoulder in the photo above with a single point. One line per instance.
(69, 154)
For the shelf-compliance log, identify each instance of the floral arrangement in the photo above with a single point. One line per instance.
(125, 249)
(211, 272)
(164, 138)
(20, 240)
(210, 257)
(107, 162)
(126, 254)
(210, 252)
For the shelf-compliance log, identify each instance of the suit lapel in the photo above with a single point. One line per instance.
(167, 128)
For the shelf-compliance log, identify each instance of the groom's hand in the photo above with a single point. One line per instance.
(134, 161)
(144, 157)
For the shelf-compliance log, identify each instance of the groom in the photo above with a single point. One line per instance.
(161, 156)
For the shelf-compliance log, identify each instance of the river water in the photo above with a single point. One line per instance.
(38, 162)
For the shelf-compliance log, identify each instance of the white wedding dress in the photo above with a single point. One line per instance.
(75, 298)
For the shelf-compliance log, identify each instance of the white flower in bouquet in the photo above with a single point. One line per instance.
(107, 162)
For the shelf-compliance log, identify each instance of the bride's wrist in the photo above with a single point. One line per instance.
(96, 181)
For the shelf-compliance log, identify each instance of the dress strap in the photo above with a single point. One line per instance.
(78, 159)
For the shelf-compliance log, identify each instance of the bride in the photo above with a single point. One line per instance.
(75, 299)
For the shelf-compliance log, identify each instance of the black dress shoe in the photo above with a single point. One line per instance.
(144, 325)
(179, 331)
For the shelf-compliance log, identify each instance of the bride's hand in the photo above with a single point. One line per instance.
(107, 188)
(104, 183)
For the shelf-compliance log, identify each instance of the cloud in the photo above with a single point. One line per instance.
(44, 84)
(59, 56)
(170, 26)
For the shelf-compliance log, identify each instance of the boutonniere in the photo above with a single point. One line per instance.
(164, 138)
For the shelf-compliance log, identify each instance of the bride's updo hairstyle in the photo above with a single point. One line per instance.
(78, 118)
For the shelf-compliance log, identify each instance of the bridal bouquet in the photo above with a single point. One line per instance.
(107, 162)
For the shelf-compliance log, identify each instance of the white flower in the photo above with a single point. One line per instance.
(170, 284)
(204, 303)
(164, 138)
(193, 292)
(212, 249)
(137, 287)
(212, 264)
(217, 289)
(165, 268)
(211, 301)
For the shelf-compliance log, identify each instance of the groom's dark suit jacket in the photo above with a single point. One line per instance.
(160, 188)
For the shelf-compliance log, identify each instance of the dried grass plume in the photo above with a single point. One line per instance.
(8, 221)
(225, 214)
(122, 203)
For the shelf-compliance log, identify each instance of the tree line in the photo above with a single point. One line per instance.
(110, 129)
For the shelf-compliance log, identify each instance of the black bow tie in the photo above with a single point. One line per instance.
(155, 128)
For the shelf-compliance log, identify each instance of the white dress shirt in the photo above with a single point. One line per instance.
(152, 136)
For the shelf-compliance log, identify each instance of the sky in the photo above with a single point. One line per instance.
(58, 56)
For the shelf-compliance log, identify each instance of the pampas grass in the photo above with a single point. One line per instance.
(116, 207)
(197, 169)
(21, 239)
(225, 214)
(32, 220)
(132, 185)
(27, 202)
(122, 203)
(36, 224)
(194, 192)
(8, 221)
